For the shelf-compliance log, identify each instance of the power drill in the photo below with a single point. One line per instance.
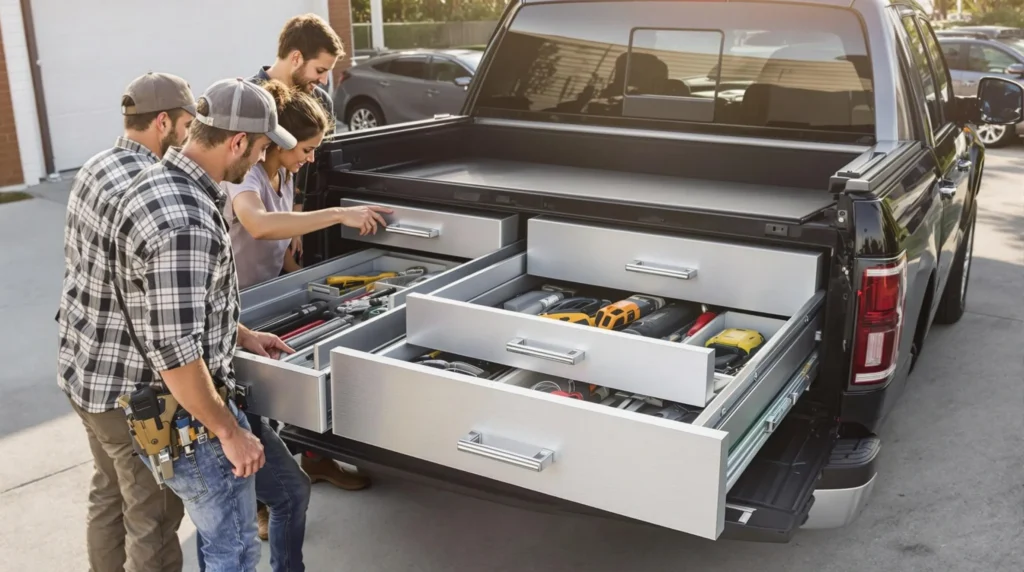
(624, 312)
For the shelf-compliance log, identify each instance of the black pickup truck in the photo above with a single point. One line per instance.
(800, 169)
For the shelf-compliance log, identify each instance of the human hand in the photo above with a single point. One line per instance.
(365, 218)
(244, 451)
(296, 248)
(262, 343)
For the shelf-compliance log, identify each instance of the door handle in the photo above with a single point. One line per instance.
(383, 83)
(433, 92)
(947, 188)
(963, 165)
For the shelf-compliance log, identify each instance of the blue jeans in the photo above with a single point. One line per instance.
(284, 488)
(221, 505)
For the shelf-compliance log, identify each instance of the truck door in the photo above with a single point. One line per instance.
(952, 161)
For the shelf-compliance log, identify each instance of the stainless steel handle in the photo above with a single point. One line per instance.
(418, 232)
(518, 346)
(947, 189)
(473, 443)
(963, 165)
(642, 267)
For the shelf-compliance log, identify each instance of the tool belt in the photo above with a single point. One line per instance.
(162, 430)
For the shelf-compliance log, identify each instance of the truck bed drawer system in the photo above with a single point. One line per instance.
(384, 386)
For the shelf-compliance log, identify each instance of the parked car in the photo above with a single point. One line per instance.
(984, 32)
(396, 87)
(971, 59)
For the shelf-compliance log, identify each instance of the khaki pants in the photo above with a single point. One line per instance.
(132, 524)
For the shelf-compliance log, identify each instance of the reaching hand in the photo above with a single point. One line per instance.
(262, 343)
(365, 218)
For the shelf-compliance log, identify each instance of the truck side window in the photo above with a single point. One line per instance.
(939, 67)
(920, 54)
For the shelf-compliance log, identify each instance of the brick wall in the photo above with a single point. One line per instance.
(10, 156)
(340, 15)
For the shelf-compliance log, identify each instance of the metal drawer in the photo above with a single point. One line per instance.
(299, 394)
(769, 280)
(453, 232)
(668, 473)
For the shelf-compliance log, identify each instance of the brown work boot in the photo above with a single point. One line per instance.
(263, 522)
(324, 469)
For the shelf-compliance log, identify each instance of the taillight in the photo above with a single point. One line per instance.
(880, 305)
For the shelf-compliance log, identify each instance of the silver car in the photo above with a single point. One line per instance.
(401, 86)
(972, 58)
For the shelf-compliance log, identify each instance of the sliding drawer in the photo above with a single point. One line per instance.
(757, 279)
(448, 231)
(448, 321)
(669, 473)
(296, 390)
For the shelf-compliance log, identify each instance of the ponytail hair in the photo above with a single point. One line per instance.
(297, 111)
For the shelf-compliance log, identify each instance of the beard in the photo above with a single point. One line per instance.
(300, 81)
(170, 140)
(235, 173)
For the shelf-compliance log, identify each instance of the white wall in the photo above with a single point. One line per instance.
(90, 49)
(19, 75)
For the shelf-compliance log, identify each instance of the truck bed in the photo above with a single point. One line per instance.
(782, 203)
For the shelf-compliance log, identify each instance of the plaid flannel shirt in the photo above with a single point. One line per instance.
(94, 363)
(176, 269)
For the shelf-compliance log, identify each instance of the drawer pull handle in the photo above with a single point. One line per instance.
(641, 267)
(417, 231)
(473, 443)
(518, 346)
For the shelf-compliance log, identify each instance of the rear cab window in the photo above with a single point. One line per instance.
(782, 70)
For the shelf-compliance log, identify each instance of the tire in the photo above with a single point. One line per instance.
(364, 115)
(996, 136)
(954, 297)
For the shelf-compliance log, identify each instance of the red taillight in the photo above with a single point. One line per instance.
(880, 302)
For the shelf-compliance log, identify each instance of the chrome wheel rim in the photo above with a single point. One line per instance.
(989, 134)
(362, 118)
(967, 265)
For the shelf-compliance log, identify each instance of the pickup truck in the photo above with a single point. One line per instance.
(800, 169)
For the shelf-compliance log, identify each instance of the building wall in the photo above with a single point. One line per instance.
(340, 14)
(10, 157)
(21, 95)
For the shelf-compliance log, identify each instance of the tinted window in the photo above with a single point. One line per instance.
(986, 59)
(382, 66)
(409, 67)
(741, 64)
(1015, 45)
(942, 81)
(952, 51)
(446, 70)
(921, 65)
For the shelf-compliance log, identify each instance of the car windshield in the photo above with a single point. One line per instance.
(471, 60)
(796, 67)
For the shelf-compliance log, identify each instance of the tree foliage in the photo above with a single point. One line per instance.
(430, 10)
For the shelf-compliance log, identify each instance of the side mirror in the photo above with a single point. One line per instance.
(1000, 101)
(1015, 69)
(462, 81)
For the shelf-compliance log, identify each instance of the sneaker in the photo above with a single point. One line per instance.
(324, 469)
(263, 522)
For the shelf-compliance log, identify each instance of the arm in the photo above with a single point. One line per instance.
(264, 225)
(178, 270)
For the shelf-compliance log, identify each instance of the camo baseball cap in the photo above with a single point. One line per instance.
(241, 106)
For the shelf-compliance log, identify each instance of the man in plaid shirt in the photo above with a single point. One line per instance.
(132, 523)
(175, 267)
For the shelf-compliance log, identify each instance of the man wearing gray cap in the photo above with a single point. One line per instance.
(175, 279)
(132, 524)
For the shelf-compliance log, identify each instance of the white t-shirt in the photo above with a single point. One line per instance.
(258, 260)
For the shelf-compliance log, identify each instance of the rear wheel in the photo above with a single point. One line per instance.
(364, 115)
(996, 135)
(954, 298)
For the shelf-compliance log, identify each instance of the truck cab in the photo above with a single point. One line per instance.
(802, 171)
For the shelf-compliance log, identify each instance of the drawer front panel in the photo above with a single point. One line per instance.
(662, 472)
(647, 366)
(462, 234)
(769, 280)
(289, 393)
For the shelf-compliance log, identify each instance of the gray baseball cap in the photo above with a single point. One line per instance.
(241, 106)
(155, 92)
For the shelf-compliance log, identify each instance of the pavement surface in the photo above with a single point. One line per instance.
(949, 497)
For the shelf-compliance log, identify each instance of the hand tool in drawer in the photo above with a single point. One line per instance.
(675, 412)
(343, 282)
(578, 310)
(365, 302)
(537, 301)
(733, 347)
(403, 281)
(664, 321)
(297, 318)
(572, 389)
(459, 364)
(689, 330)
(327, 328)
(624, 312)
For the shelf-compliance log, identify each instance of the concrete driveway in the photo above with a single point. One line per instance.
(950, 496)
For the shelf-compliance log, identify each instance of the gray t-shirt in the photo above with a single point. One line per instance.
(258, 260)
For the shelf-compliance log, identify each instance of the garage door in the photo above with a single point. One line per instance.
(90, 49)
